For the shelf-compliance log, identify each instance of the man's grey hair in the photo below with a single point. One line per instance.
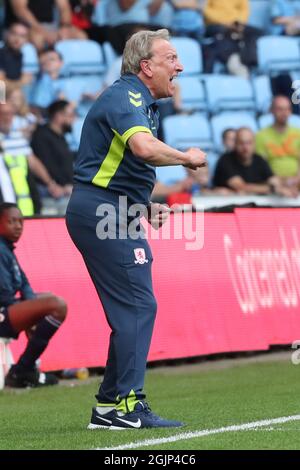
(139, 47)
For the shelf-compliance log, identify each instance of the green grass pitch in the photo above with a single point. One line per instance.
(56, 417)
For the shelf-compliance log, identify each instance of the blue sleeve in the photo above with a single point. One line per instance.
(43, 93)
(281, 8)
(7, 293)
(26, 289)
(129, 116)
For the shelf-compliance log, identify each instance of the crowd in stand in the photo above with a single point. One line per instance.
(40, 107)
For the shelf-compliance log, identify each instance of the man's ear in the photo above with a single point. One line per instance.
(146, 68)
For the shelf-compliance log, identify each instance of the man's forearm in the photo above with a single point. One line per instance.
(24, 14)
(257, 188)
(65, 12)
(155, 152)
(39, 170)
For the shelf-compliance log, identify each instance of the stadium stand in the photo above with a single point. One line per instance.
(193, 95)
(278, 54)
(225, 92)
(183, 131)
(262, 92)
(30, 58)
(233, 119)
(260, 14)
(89, 61)
(190, 54)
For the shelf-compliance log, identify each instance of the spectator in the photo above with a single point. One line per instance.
(40, 18)
(228, 139)
(245, 172)
(50, 146)
(279, 144)
(23, 121)
(83, 12)
(161, 14)
(188, 18)
(125, 17)
(202, 182)
(39, 315)
(233, 41)
(48, 85)
(285, 17)
(11, 57)
(18, 159)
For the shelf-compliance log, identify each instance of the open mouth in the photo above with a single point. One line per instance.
(173, 78)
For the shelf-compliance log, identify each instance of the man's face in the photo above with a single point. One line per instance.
(164, 67)
(11, 224)
(245, 145)
(51, 62)
(6, 118)
(281, 110)
(229, 140)
(17, 36)
(67, 117)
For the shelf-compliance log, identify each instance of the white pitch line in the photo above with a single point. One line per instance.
(204, 432)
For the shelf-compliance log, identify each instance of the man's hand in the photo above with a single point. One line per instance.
(196, 158)
(157, 214)
(55, 190)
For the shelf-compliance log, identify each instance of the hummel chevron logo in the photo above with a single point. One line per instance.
(132, 424)
(134, 99)
(136, 96)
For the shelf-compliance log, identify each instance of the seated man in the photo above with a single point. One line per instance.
(11, 57)
(21, 309)
(285, 17)
(228, 139)
(48, 84)
(234, 41)
(279, 144)
(188, 18)
(40, 17)
(51, 148)
(245, 172)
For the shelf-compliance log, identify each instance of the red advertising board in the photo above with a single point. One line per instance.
(239, 292)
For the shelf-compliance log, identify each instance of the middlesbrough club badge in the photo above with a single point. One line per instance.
(140, 256)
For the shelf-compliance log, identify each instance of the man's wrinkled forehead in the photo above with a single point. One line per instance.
(162, 47)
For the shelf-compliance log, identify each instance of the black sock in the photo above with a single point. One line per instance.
(44, 331)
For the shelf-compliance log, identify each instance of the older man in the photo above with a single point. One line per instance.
(279, 144)
(118, 152)
(246, 172)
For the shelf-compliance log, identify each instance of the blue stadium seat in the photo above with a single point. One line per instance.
(81, 56)
(99, 15)
(30, 58)
(263, 93)
(260, 14)
(183, 132)
(278, 54)
(212, 160)
(74, 87)
(267, 120)
(192, 94)
(230, 120)
(73, 138)
(225, 92)
(190, 55)
(109, 54)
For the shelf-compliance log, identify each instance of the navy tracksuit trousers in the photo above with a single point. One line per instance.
(124, 287)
